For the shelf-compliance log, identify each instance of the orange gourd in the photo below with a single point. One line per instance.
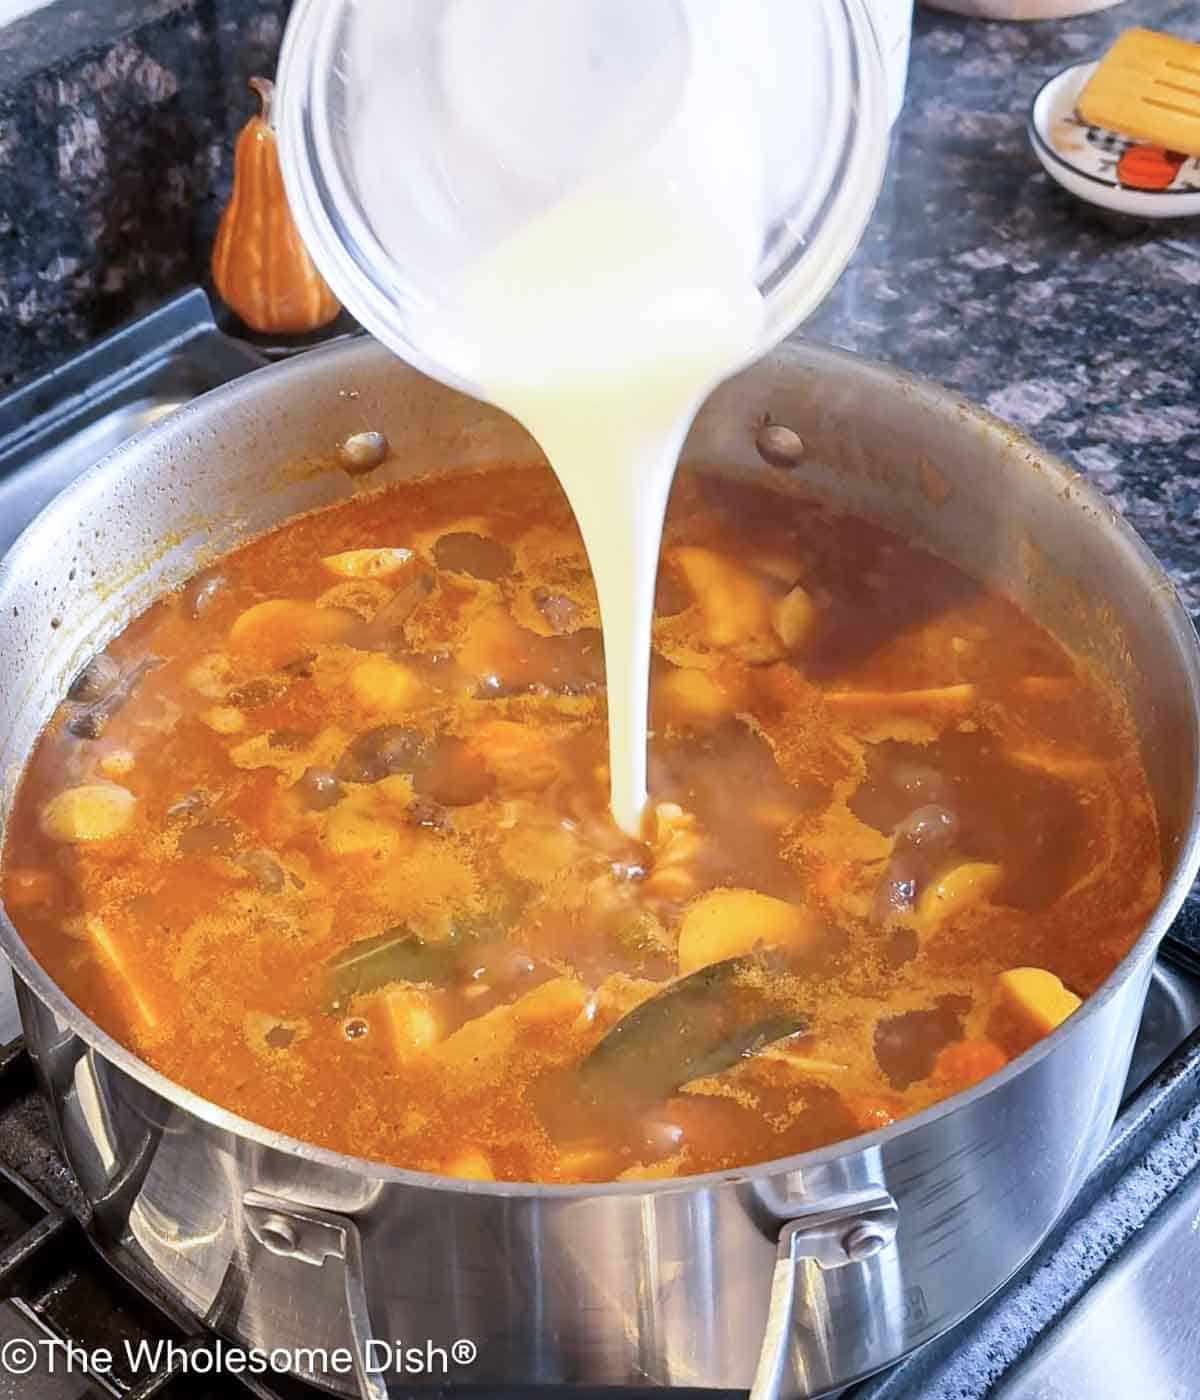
(260, 267)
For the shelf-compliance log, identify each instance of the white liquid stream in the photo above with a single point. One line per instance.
(603, 322)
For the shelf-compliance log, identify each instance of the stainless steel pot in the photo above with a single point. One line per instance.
(797, 1276)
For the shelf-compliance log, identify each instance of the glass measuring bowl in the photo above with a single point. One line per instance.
(462, 148)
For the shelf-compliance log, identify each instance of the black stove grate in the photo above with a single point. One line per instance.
(58, 1291)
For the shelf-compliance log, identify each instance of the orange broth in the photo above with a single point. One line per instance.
(323, 836)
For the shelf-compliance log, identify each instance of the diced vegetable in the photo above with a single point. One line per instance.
(278, 631)
(956, 890)
(471, 1165)
(793, 618)
(966, 1062)
(692, 696)
(367, 563)
(732, 603)
(946, 699)
(224, 719)
(91, 812)
(386, 687)
(676, 842)
(412, 1020)
(398, 955)
(873, 1111)
(1029, 1003)
(117, 763)
(560, 1000)
(729, 923)
(586, 1162)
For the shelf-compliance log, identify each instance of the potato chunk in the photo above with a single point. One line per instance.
(956, 890)
(728, 923)
(556, 1002)
(470, 1165)
(386, 687)
(1029, 1003)
(92, 812)
(691, 696)
(411, 1019)
(732, 603)
(367, 563)
(282, 629)
(793, 617)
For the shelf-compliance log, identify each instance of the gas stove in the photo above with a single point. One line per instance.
(1096, 1313)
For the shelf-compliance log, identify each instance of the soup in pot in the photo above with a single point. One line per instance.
(324, 836)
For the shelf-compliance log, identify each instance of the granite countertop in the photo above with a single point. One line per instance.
(1080, 326)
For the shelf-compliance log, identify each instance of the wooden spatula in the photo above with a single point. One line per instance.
(1148, 86)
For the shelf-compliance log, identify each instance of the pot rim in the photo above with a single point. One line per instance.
(1164, 599)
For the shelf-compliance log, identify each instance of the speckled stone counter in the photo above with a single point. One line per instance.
(117, 120)
(1080, 326)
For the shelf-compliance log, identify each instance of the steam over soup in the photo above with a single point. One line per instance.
(324, 837)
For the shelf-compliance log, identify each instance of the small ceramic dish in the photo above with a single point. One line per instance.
(1104, 167)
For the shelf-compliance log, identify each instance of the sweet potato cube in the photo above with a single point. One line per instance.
(729, 923)
(412, 1020)
(1029, 1003)
(470, 1164)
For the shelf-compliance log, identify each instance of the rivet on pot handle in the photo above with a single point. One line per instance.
(312, 1237)
(834, 1233)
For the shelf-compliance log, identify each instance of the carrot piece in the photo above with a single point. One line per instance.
(966, 1062)
(871, 1111)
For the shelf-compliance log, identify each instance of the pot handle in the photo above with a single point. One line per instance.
(834, 1233)
(314, 1236)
